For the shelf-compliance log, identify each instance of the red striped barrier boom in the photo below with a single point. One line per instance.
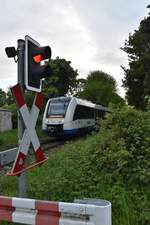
(36, 212)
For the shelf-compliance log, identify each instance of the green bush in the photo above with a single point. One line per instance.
(112, 164)
(8, 139)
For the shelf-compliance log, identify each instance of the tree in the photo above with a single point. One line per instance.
(100, 88)
(2, 97)
(77, 88)
(10, 98)
(137, 76)
(63, 79)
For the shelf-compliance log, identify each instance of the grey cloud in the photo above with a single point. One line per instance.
(89, 33)
(109, 57)
(109, 22)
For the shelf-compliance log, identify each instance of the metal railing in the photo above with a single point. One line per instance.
(8, 156)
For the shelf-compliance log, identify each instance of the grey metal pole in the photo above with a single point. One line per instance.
(21, 50)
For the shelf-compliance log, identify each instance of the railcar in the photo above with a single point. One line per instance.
(71, 115)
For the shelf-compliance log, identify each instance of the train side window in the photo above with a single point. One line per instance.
(83, 112)
(101, 114)
(78, 114)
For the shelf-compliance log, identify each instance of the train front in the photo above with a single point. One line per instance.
(54, 116)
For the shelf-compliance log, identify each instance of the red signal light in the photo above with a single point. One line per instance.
(37, 58)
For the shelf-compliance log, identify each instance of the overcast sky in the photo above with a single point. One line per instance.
(89, 33)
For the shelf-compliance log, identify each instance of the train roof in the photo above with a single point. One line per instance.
(81, 102)
(91, 105)
(61, 98)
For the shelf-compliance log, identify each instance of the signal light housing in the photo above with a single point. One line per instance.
(34, 71)
(11, 52)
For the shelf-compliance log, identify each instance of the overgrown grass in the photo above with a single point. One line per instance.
(113, 165)
(8, 139)
(70, 174)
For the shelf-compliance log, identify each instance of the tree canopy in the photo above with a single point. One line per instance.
(2, 97)
(100, 88)
(63, 78)
(137, 76)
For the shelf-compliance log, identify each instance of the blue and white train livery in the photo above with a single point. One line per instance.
(70, 115)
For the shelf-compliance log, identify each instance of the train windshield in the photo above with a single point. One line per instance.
(58, 107)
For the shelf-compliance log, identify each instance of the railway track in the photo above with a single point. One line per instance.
(48, 145)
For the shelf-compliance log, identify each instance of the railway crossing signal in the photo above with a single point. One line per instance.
(31, 57)
(34, 71)
(29, 135)
(28, 56)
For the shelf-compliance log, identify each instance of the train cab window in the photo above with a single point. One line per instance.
(58, 107)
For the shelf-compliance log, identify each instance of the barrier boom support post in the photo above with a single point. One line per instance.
(21, 50)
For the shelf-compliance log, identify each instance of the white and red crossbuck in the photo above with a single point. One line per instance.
(29, 136)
